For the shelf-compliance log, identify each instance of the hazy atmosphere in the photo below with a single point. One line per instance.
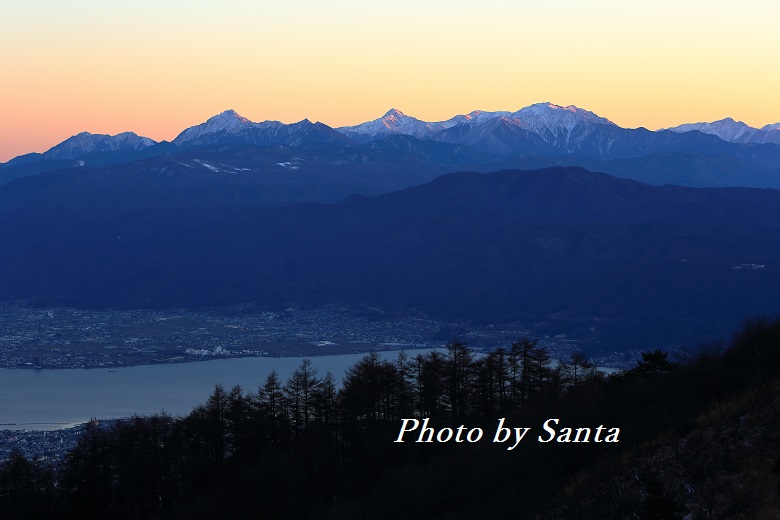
(156, 67)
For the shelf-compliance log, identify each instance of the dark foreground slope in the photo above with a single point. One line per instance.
(562, 250)
(695, 440)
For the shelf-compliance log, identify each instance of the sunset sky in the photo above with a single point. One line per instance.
(157, 67)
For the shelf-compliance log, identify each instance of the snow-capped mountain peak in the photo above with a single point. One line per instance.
(727, 129)
(394, 119)
(567, 129)
(734, 131)
(554, 118)
(473, 117)
(552, 121)
(229, 117)
(393, 122)
(85, 142)
(394, 113)
(227, 122)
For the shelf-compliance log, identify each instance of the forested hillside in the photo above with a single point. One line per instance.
(612, 263)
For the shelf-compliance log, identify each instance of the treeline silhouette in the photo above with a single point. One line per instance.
(307, 448)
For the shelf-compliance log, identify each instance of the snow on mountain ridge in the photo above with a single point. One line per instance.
(86, 142)
(548, 116)
(541, 118)
(727, 129)
(565, 127)
(396, 122)
(733, 131)
(392, 123)
(229, 122)
(473, 117)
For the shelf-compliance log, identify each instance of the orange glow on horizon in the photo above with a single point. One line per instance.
(116, 69)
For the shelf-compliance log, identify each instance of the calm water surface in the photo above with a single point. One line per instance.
(50, 399)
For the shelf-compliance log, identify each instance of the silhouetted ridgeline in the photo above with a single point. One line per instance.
(601, 259)
(698, 437)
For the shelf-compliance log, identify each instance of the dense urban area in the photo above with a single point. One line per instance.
(75, 338)
(48, 446)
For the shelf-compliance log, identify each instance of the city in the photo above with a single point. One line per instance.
(64, 337)
(67, 338)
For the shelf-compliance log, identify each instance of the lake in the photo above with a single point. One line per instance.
(51, 399)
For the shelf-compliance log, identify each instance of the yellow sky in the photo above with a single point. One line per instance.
(156, 67)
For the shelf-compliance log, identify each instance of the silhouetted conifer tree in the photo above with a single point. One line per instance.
(459, 379)
(26, 489)
(299, 392)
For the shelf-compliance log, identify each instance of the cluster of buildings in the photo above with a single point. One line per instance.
(48, 446)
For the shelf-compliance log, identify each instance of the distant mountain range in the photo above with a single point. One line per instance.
(722, 153)
(545, 119)
(558, 126)
(229, 158)
(734, 131)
